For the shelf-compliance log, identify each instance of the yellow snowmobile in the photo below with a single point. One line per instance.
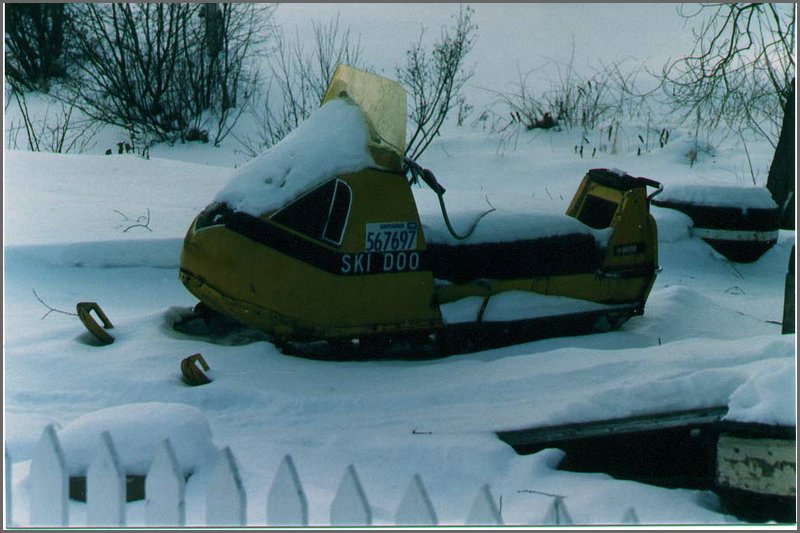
(319, 243)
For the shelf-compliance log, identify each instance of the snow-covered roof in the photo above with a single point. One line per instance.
(763, 397)
(330, 142)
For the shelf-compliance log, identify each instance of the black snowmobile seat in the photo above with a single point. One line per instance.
(574, 253)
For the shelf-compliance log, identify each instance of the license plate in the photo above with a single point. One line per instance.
(391, 236)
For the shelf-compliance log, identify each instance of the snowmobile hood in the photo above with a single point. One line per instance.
(332, 141)
(360, 124)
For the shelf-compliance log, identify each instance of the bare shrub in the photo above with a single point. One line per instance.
(163, 67)
(434, 79)
(34, 38)
(60, 131)
(300, 77)
(298, 81)
(569, 100)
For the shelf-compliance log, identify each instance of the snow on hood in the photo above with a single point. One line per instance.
(718, 196)
(330, 142)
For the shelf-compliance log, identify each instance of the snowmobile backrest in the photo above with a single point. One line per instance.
(613, 199)
(601, 193)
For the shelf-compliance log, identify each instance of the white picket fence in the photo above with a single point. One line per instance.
(226, 500)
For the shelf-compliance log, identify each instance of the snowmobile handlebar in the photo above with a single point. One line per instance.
(650, 183)
(430, 179)
(659, 188)
(427, 176)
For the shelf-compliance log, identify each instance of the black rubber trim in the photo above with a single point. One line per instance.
(308, 251)
(730, 218)
(548, 256)
(620, 182)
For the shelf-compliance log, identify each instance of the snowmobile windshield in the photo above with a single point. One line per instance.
(383, 102)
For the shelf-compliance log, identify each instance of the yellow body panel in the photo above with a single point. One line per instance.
(287, 297)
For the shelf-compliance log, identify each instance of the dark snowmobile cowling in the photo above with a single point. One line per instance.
(320, 239)
(741, 223)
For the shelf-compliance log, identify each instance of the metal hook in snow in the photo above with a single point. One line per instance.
(193, 375)
(84, 313)
(428, 177)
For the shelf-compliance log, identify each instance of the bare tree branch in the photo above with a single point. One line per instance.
(435, 78)
(740, 70)
(51, 309)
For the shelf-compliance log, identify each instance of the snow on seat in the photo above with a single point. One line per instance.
(510, 244)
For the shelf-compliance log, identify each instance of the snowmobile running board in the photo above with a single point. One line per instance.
(468, 337)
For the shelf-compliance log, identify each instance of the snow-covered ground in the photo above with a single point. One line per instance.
(109, 229)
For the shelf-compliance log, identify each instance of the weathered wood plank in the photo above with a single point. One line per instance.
(763, 466)
(616, 426)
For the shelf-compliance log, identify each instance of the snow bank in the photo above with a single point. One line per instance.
(56, 198)
(137, 430)
(672, 225)
(332, 141)
(155, 253)
(719, 196)
(768, 397)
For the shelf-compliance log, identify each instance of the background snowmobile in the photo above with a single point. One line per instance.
(320, 239)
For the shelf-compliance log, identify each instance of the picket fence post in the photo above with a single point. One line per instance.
(415, 508)
(9, 514)
(630, 517)
(105, 486)
(557, 514)
(226, 501)
(49, 482)
(164, 489)
(484, 511)
(350, 506)
(286, 501)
